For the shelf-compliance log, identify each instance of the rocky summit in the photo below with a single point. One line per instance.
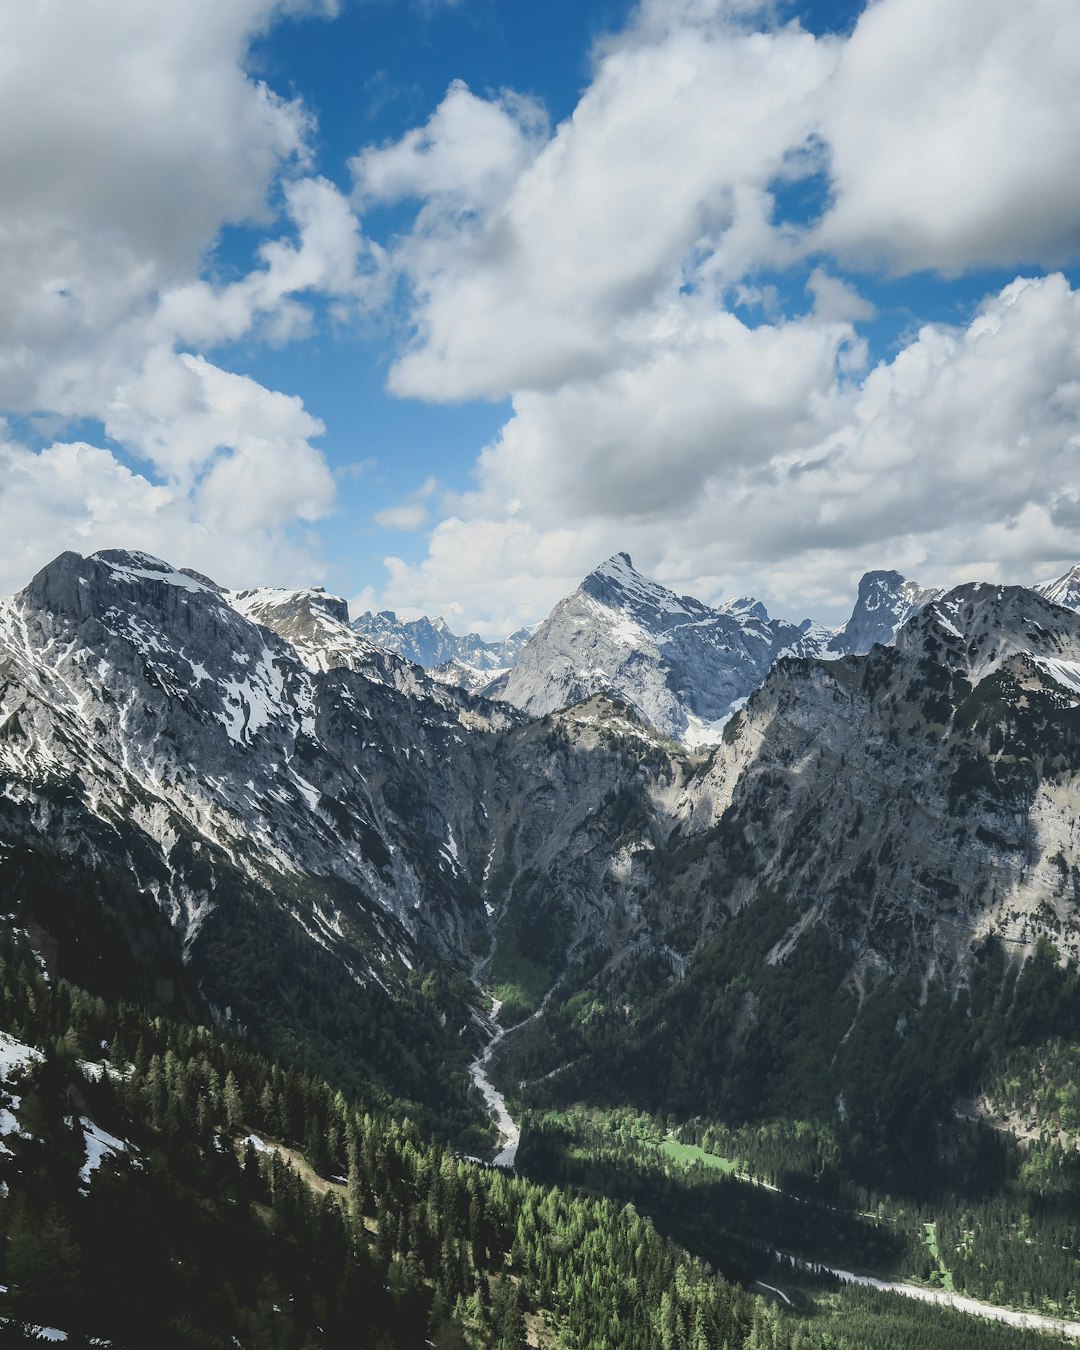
(684, 665)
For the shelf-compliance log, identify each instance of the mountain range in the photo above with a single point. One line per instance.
(712, 866)
(684, 665)
(256, 745)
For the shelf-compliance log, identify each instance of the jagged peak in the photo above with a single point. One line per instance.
(130, 565)
(982, 624)
(745, 607)
(619, 564)
(619, 585)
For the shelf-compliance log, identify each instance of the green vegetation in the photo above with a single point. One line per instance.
(689, 1154)
(529, 952)
(254, 966)
(942, 1276)
(185, 1240)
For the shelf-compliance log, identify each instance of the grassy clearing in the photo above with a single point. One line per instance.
(689, 1154)
(942, 1277)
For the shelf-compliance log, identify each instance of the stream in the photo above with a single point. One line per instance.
(493, 1097)
(960, 1302)
(496, 1103)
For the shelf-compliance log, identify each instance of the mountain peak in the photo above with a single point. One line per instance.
(307, 600)
(1064, 590)
(617, 565)
(617, 584)
(432, 644)
(885, 602)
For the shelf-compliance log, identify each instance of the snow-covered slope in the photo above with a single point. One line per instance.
(283, 792)
(225, 750)
(685, 665)
(316, 625)
(1065, 590)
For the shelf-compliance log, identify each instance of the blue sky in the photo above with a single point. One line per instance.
(441, 303)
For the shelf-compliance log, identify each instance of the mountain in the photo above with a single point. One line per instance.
(817, 953)
(1065, 590)
(885, 602)
(430, 643)
(259, 809)
(945, 760)
(872, 846)
(684, 665)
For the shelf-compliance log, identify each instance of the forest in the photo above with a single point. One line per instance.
(245, 1201)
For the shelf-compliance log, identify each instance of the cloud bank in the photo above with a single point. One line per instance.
(682, 347)
(673, 287)
(130, 136)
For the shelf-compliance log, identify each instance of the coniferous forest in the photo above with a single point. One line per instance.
(238, 1200)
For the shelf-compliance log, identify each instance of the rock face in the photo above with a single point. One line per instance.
(684, 665)
(232, 750)
(885, 602)
(920, 795)
(250, 764)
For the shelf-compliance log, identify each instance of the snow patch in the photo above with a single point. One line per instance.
(99, 1145)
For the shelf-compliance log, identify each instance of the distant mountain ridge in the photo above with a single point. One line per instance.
(431, 644)
(685, 665)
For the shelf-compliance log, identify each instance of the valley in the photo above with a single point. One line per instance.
(729, 990)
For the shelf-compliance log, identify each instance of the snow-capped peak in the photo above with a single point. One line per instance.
(133, 566)
(1063, 590)
(617, 584)
(682, 664)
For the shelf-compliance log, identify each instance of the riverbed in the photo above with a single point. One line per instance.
(508, 1129)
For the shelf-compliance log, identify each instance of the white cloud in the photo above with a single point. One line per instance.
(469, 152)
(130, 134)
(953, 460)
(331, 258)
(953, 132)
(589, 275)
(81, 497)
(533, 262)
(837, 301)
(408, 516)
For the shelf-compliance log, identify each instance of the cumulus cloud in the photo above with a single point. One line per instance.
(681, 346)
(952, 132)
(952, 460)
(411, 514)
(130, 135)
(80, 496)
(329, 258)
(533, 260)
(599, 274)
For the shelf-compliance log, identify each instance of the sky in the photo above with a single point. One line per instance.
(439, 303)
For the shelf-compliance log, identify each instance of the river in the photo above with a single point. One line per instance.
(1033, 1321)
(507, 1156)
